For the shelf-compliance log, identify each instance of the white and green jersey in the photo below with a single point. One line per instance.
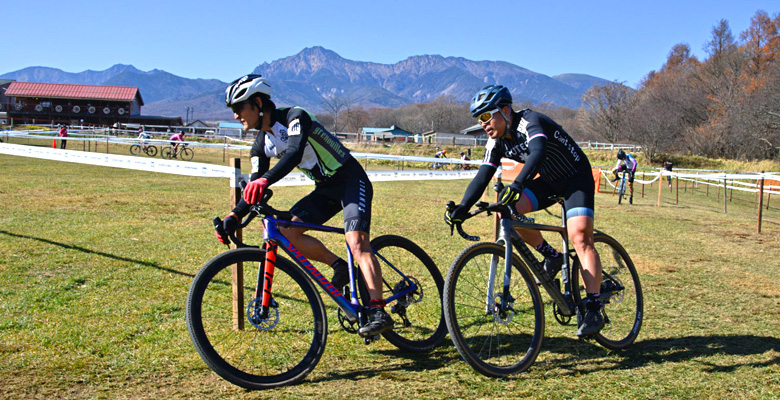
(297, 139)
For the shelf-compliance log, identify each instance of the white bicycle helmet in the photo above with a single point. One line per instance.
(243, 88)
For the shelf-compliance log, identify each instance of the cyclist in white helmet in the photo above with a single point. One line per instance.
(297, 139)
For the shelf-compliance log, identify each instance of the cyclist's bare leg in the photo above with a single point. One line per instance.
(532, 237)
(360, 245)
(309, 246)
(581, 238)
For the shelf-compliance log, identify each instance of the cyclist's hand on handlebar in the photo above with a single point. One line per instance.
(254, 190)
(225, 227)
(456, 215)
(510, 194)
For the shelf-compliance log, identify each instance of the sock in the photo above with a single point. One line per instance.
(546, 250)
(594, 301)
(376, 303)
(339, 264)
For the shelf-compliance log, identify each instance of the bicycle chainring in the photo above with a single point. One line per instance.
(348, 326)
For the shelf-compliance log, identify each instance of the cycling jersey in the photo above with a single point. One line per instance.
(629, 163)
(297, 139)
(178, 137)
(541, 144)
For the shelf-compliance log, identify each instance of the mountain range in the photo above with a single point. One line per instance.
(315, 73)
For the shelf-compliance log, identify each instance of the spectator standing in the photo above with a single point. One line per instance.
(63, 134)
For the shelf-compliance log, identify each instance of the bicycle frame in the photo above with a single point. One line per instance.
(511, 239)
(273, 239)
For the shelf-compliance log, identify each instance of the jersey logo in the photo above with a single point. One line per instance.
(295, 128)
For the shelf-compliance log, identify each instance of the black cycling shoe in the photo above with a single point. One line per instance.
(340, 276)
(591, 324)
(631, 200)
(378, 321)
(553, 265)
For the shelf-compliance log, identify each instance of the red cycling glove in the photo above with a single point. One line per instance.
(254, 190)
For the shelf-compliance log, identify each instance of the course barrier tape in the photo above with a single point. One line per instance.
(719, 177)
(205, 170)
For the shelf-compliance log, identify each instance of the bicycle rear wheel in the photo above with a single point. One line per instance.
(418, 315)
(494, 342)
(151, 151)
(186, 154)
(135, 149)
(621, 293)
(167, 153)
(283, 349)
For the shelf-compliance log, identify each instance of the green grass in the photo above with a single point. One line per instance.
(95, 264)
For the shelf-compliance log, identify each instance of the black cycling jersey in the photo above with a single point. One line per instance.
(537, 141)
(298, 140)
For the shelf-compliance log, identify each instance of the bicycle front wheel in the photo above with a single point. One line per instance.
(186, 154)
(283, 348)
(167, 153)
(418, 315)
(621, 294)
(135, 149)
(495, 341)
(151, 151)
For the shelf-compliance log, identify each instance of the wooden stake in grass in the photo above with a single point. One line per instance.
(237, 270)
(760, 200)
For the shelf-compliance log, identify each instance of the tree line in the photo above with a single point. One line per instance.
(726, 106)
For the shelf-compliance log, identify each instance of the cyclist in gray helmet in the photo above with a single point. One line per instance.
(295, 137)
(553, 166)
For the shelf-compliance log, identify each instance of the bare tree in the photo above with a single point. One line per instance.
(334, 105)
(603, 110)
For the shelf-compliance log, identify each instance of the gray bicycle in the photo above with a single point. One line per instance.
(494, 310)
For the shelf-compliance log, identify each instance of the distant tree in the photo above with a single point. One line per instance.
(334, 106)
(761, 44)
(603, 110)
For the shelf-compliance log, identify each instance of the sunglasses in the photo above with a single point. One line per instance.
(238, 107)
(486, 116)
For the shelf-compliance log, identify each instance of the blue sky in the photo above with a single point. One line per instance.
(614, 40)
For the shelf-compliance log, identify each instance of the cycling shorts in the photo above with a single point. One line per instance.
(623, 167)
(577, 192)
(348, 190)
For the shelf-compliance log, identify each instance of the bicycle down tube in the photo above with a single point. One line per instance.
(273, 239)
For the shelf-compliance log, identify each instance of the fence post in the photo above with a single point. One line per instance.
(237, 270)
(660, 190)
(725, 211)
(760, 200)
(677, 190)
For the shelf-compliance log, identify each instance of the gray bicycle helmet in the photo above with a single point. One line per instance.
(490, 97)
(243, 88)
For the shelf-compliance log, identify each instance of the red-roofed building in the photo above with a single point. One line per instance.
(34, 102)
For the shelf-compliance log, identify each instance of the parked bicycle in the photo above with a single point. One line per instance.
(277, 302)
(493, 308)
(149, 150)
(184, 152)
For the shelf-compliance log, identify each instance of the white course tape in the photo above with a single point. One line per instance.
(119, 161)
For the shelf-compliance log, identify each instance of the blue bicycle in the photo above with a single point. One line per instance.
(257, 319)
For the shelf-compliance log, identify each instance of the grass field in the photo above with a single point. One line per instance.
(95, 264)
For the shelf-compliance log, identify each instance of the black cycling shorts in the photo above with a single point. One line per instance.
(577, 192)
(631, 173)
(348, 190)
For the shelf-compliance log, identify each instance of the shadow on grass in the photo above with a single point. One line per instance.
(99, 253)
(714, 353)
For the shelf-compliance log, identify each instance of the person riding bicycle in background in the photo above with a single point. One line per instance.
(464, 157)
(546, 149)
(143, 137)
(297, 139)
(626, 162)
(439, 154)
(176, 140)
